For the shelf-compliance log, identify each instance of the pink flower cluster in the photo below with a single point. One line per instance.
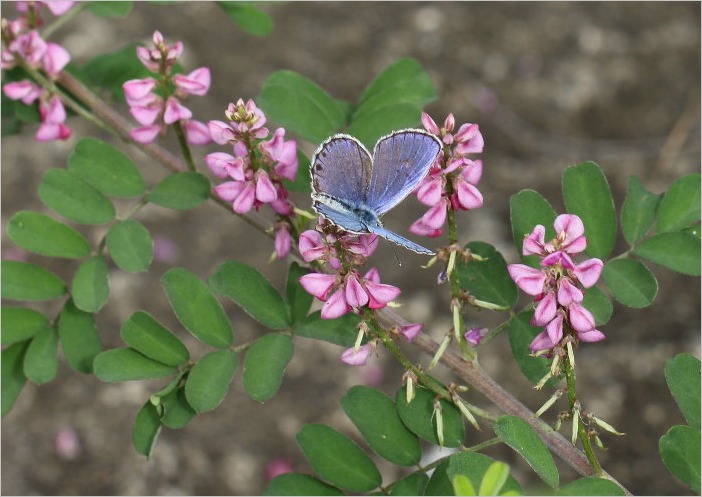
(554, 285)
(451, 181)
(22, 42)
(256, 168)
(154, 112)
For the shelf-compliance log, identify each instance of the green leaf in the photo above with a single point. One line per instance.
(682, 373)
(587, 194)
(630, 282)
(680, 206)
(40, 360)
(463, 486)
(146, 335)
(340, 331)
(521, 334)
(12, 375)
(251, 291)
(130, 245)
(265, 364)
(526, 210)
(337, 459)
(420, 418)
(439, 483)
(79, 337)
(474, 466)
(677, 251)
(487, 280)
(91, 288)
(493, 479)
(591, 485)
(147, 426)
(413, 484)
(111, 70)
(375, 416)
(27, 281)
(209, 379)
(312, 114)
(597, 302)
(106, 168)
(181, 191)
(109, 8)
(297, 299)
(519, 435)
(177, 411)
(69, 195)
(297, 484)
(43, 235)
(20, 323)
(126, 364)
(197, 308)
(382, 121)
(638, 211)
(248, 17)
(680, 450)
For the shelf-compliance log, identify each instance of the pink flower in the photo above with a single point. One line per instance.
(569, 234)
(52, 125)
(430, 190)
(410, 331)
(247, 118)
(146, 115)
(139, 91)
(356, 295)
(588, 272)
(55, 59)
(469, 140)
(312, 246)
(58, 7)
(265, 191)
(145, 134)
(282, 152)
(25, 90)
(335, 306)
(195, 83)
(568, 293)
(528, 279)
(224, 165)
(317, 284)
(357, 356)
(277, 467)
(283, 241)
(534, 242)
(475, 335)
(545, 310)
(175, 111)
(196, 132)
(466, 195)
(431, 222)
(221, 132)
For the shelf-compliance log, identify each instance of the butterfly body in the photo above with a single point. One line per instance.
(353, 189)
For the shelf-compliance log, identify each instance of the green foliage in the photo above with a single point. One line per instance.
(521, 334)
(297, 299)
(130, 245)
(413, 484)
(340, 331)
(40, 361)
(680, 206)
(420, 418)
(91, 288)
(126, 364)
(265, 363)
(147, 336)
(487, 280)
(197, 308)
(12, 374)
(375, 416)
(677, 251)
(337, 459)
(147, 426)
(111, 70)
(682, 373)
(110, 8)
(181, 191)
(176, 411)
(519, 435)
(251, 291)
(19, 324)
(79, 337)
(69, 195)
(27, 281)
(527, 209)
(43, 235)
(638, 211)
(591, 485)
(680, 449)
(630, 282)
(297, 484)
(209, 379)
(248, 17)
(597, 302)
(475, 467)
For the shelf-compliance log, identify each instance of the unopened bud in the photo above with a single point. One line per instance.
(440, 352)
(438, 413)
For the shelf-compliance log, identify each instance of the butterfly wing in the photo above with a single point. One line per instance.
(399, 240)
(341, 168)
(338, 213)
(400, 162)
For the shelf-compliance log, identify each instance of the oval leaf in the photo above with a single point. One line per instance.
(382, 121)
(130, 246)
(43, 235)
(69, 195)
(248, 17)
(19, 324)
(12, 377)
(337, 459)
(587, 194)
(419, 417)
(526, 210)
(474, 466)
(680, 450)
(297, 484)
(682, 373)
(521, 334)
(127, 364)
(80, 339)
(597, 302)
(297, 299)
(251, 291)
(487, 280)
(638, 211)
(375, 416)
(106, 168)
(591, 485)
(340, 331)
(519, 435)
(196, 308)
(40, 360)
(630, 282)
(680, 206)
(177, 411)
(313, 114)
(27, 281)
(146, 335)
(265, 363)
(147, 426)
(209, 380)
(413, 484)
(110, 9)
(181, 191)
(91, 288)
(677, 251)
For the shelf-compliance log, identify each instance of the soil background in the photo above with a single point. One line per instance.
(551, 84)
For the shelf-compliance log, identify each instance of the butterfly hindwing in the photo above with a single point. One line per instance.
(341, 168)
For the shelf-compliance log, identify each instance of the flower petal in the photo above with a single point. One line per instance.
(528, 279)
(317, 284)
(335, 306)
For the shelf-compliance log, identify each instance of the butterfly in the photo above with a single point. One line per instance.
(353, 189)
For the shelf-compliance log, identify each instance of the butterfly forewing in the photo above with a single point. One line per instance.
(341, 168)
(400, 162)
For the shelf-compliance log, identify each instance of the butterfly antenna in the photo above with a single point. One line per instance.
(399, 262)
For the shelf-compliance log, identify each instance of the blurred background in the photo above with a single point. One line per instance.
(550, 84)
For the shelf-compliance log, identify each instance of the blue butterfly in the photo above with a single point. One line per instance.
(353, 190)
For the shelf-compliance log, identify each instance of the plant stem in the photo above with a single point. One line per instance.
(184, 147)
